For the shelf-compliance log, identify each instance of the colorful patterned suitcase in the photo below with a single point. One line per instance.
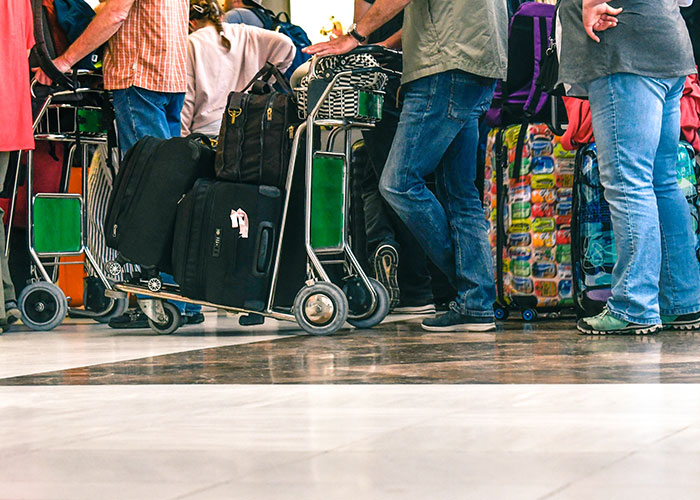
(528, 205)
(593, 243)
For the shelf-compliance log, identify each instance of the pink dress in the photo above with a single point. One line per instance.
(16, 38)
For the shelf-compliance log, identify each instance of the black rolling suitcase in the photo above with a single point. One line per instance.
(153, 177)
(225, 241)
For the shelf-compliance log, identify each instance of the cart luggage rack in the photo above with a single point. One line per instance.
(65, 120)
(356, 96)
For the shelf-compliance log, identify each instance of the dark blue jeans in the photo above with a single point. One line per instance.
(140, 113)
(439, 132)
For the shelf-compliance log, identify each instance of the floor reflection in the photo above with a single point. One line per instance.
(542, 352)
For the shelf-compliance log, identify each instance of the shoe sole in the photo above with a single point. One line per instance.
(420, 310)
(476, 327)
(691, 325)
(386, 263)
(625, 331)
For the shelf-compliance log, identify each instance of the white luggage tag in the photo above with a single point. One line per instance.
(239, 219)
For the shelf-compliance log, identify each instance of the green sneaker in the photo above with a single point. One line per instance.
(684, 322)
(605, 323)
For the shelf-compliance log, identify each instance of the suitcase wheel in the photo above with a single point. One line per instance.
(529, 314)
(321, 309)
(500, 313)
(172, 323)
(380, 311)
(118, 307)
(113, 268)
(43, 306)
(155, 284)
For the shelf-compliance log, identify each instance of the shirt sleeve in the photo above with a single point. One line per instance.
(281, 49)
(29, 24)
(187, 113)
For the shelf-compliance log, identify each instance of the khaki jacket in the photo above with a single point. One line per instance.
(444, 35)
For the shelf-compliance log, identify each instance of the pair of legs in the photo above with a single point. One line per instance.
(438, 133)
(383, 226)
(140, 113)
(8, 289)
(636, 121)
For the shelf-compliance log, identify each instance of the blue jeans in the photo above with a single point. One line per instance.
(636, 121)
(140, 113)
(439, 132)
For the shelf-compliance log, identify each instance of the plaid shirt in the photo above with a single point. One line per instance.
(150, 49)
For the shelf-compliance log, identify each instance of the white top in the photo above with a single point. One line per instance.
(212, 72)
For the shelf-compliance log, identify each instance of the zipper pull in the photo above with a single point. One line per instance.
(269, 114)
(114, 230)
(291, 132)
(234, 113)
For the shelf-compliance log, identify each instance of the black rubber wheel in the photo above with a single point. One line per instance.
(321, 309)
(43, 306)
(173, 322)
(119, 307)
(380, 311)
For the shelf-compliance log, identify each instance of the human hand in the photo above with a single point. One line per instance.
(598, 17)
(341, 45)
(61, 64)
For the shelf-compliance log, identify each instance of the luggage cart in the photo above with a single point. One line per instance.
(340, 94)
(69, 112)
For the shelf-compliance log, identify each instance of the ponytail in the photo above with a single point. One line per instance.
(210, 10)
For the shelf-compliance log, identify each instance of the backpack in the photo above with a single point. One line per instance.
(282, 24)
(73, 17)
(518, 97)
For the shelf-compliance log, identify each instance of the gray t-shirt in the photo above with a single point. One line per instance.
(651, 39)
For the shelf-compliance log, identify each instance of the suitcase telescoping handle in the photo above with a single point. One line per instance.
(260, 82)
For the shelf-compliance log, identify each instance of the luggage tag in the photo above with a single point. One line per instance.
(239, 220)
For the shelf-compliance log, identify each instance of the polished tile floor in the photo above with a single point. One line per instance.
(530, 412)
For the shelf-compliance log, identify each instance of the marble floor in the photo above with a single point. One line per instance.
(219, 412)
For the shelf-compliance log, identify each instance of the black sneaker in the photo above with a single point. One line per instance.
(133, 318)
(386, 264)
(194, 319)
(452, 321)
(684, 322)
(417, 309)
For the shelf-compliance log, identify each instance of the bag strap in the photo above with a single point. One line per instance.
(267, 72)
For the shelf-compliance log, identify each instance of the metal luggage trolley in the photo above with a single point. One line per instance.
(69, 112)
(340, 93)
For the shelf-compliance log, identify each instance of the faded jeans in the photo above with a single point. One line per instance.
(439, 132)
(636, 121)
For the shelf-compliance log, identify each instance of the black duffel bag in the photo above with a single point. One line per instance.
(257, 131)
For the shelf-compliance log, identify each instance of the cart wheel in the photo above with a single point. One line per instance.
(321, 309)
(173, 322)
(500, 313)
(113, 268)
(43, 306)
(529, 314)
(155, 284)
(118, 308)
(380, 311)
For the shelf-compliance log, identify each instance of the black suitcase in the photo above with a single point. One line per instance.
(154, 175)
(225, 241)
(256, 133)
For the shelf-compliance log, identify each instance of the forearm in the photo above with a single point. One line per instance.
(379, 14)
(393, 42)
(361, 8)
(106, 23)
